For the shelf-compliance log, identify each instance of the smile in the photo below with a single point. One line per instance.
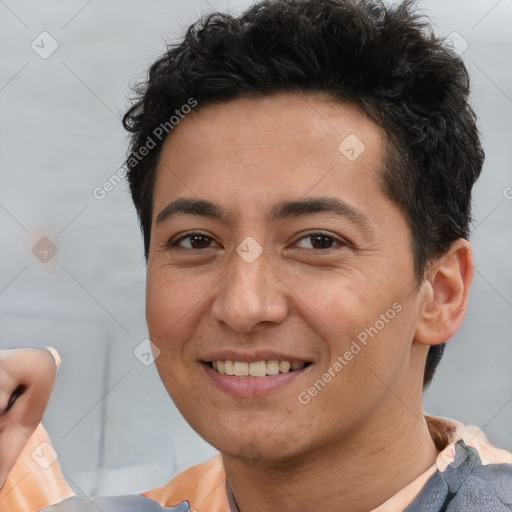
(255, 369)
(256, 378)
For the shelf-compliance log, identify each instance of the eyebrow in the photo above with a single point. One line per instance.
(281, 210)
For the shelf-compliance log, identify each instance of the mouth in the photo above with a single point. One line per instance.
(256, 368)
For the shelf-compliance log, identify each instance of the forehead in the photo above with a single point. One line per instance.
(285, 143)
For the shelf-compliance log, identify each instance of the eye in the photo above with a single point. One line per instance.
(319, 240)
(195, 240)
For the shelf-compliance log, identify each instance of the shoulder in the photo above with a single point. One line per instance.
(472, 475)
(128, 503)
(478, 486)
(202, 485)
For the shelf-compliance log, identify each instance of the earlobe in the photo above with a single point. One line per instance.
(445, 295)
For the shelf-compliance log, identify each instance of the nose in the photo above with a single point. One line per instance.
(250, 293)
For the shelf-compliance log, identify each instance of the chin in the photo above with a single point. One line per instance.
(251, 445)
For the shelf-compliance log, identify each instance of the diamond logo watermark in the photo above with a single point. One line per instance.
(44, 249)
(352, 147)
(456, 44)
(146, 352)
(44, 455)
(44, 45)
(249, 249)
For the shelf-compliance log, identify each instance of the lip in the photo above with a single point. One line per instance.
(252, 386)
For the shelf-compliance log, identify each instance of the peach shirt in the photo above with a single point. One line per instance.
(204, 485)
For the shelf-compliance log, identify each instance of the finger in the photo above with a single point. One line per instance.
(55, 354)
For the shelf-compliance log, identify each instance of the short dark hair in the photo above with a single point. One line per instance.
(384, 59)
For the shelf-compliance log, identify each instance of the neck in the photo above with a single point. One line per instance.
(356, 475)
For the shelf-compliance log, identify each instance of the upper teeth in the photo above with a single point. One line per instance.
(256, 369)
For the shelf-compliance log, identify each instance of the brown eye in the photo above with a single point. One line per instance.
(322, 241)
(195, 241)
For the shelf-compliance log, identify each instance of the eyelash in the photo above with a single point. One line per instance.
(339, 242)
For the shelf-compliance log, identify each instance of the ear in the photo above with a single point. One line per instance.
(445, 295)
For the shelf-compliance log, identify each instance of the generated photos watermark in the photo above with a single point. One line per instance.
(160, 132)
(305, 397)
(157, 136)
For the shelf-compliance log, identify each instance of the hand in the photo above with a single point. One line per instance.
(27, 377)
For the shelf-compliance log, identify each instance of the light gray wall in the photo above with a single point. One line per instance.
(110, 419)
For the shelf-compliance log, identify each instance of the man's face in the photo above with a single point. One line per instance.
(331, 290)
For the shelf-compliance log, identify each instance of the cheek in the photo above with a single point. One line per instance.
(346, 305)
(166, 304)
(383, 348)
(369, 327)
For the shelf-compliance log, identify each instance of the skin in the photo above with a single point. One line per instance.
(363, 436)
(22, 410)
(25, 485)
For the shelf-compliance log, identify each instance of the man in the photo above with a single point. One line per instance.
(303, 176)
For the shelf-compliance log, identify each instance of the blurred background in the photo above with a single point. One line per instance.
(72, 267)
